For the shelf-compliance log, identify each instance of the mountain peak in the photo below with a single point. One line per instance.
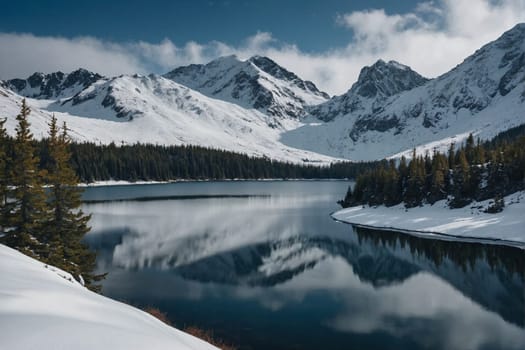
(384, 79)
(44, 86)
(269, 66)
(512, 38)
(228, 60)
(258, 83)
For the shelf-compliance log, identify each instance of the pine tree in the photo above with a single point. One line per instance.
(416, 180)
(438, 178)
(29, 210)
(68, 223)
(392, 189)
(347, 201)
(451, 156)
(5, 161)
(470, 149)
(462, 191)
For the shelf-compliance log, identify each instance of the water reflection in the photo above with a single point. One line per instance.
(278, 265)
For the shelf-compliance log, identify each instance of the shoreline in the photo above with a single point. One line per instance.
(439, 235)
(468, 224)
(130, 183)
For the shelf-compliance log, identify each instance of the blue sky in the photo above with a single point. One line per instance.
(309, 24)
(327, 42)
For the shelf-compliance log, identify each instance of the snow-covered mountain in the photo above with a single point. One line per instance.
(259, 108)
(368, 95)
(155, 110)
(54, 85)
(257, 83)
(391, 109)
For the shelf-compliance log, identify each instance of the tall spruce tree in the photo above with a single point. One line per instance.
(68, 224)
(461, 186)
(438, 178)
(29, 211)
(5, 162)
(415, 182)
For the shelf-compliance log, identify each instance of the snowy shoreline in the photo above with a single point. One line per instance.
(129, 183)
(468, 224)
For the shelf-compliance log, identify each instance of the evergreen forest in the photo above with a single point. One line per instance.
(142, 162)
(475, 171)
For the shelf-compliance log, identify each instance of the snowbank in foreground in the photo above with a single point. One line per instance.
(42, 307)
(471, 221)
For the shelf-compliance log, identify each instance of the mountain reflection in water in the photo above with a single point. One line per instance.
(275, 272)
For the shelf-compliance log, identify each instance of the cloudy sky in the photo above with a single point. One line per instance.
(326, 41)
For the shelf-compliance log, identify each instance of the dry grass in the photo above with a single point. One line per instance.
(208, 337)
(158, 314)
(205, 335)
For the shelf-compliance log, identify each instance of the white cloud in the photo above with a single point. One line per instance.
(432, 39)
(22, 54)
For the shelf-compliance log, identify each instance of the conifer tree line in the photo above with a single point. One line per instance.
(474, 172)
(146, 162)
(40, 211)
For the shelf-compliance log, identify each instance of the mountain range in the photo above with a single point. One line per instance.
(260, 108)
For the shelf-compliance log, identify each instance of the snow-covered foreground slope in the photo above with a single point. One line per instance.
(42, 307)
(429, 220)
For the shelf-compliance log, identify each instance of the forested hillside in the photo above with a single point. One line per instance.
(473, 172)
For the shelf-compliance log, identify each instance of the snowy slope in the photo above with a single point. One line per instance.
(470, 221)
(155, 110)
(484, 95)
(257, 83)
(44, 308)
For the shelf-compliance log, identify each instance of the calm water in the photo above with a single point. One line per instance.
(263, 266)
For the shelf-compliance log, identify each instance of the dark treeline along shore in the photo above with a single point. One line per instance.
(142, 162)
(475, 171)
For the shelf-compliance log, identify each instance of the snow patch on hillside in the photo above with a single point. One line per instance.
(42, 307)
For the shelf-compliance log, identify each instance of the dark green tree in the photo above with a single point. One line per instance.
(68, 223)
(29, 209)
(415, 183)
(461, 178)
(5, 178)
(470, 149)
(438, 178)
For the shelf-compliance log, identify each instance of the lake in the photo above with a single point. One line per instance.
(263, 266)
